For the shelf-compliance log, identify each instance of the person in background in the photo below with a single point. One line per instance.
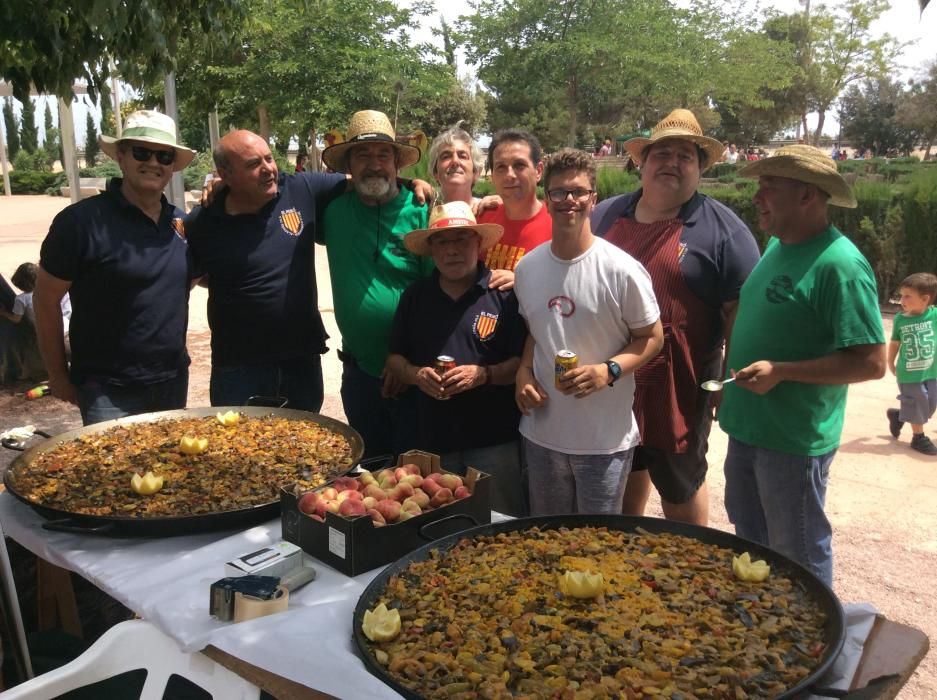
(455, 163)
(911, 360)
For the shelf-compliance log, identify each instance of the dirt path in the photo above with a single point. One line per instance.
(882, 498)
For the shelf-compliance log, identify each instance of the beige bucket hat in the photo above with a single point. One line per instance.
(368, 126)
(805, 164)
(679, 124)
(448, 217)
(150, 127)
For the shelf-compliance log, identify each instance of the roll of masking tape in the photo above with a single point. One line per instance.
(248, 607)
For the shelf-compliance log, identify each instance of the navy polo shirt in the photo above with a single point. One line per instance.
(262, 299)
(483, 327)
(130, 288)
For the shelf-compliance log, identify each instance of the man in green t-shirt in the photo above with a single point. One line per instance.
(808, 325)
(370, 268)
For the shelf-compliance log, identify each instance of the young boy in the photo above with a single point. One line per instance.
(913, 337)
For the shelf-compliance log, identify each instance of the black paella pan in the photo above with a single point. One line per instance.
(825, 599)
(163, 526)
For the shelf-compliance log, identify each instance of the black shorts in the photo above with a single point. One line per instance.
(677, 477)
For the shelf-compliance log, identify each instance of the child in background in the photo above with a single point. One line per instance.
(23, 279)
(911, 359)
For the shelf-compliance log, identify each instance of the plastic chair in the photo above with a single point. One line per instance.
(129, 646)
(11, 612)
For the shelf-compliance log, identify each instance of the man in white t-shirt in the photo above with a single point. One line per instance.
(583, 294)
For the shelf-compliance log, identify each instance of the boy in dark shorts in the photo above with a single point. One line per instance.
(911, 359)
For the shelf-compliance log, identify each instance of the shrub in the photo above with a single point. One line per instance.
(720, 170)
(612, 181)
(920, 221)
(32, 181)
(194, 174)
(107, 169)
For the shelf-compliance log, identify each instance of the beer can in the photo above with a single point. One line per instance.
(564, 361)
(443, 364)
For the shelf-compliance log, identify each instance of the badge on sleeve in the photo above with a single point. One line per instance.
(485, 324)
(291, 221)
(178, 225)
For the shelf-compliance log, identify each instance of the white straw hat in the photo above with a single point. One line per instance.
(805, 164)
(448, 217)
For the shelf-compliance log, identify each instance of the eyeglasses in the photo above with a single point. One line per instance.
(144, 154)
(460, 239)
(557, 196)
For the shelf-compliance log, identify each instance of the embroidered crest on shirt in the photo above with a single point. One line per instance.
(681, 251)
(485, 324)
(564, 306)
(291, 221)
(178, 225)
(780, 289)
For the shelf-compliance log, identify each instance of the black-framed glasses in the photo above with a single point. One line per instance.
(559, 195)
(143, 154)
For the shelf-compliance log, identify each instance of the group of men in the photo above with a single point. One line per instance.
(654, 291)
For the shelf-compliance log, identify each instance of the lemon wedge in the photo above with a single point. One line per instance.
(193, 446)
(228, 419)
(146, 485)
(381, 624)
(747, 570)
(581, 584)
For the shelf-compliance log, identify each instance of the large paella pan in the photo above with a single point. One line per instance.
(214, 475)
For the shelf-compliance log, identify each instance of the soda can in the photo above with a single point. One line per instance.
(442, 365)
(564, 361)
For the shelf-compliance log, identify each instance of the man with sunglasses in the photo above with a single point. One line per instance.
(122, 257)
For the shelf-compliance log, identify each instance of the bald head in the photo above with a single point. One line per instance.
(246, 165)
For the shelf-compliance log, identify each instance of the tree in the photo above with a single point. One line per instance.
(867, 117)
(12, 129)
(52, 43)
(91, 141)
(51, 143)
(29, 132)
(918, 111)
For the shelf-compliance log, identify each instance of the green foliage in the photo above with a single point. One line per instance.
(51, 143)
(920, 217)
(31, 161)
(91, 141)
(107, 169)
(33, 181)
(721, 169)
(12, 128)
(483, 188)
(868, 117)
(194, 174)
(29, 132)
(419, 170)
(612, 181)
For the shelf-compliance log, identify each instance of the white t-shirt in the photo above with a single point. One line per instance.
(586, 305)
(23, 306)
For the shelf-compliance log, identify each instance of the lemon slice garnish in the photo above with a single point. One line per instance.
(228, 419)
(193, 446)
(747, 570)
(381, 624)
(146, 485)
(582, 584)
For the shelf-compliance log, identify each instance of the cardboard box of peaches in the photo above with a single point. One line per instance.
(362, 521)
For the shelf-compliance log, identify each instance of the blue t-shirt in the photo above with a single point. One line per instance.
(130, 288)
(262, 298)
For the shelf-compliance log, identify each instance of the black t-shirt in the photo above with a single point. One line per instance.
(130, 288)
(262, 299)
(483, 327)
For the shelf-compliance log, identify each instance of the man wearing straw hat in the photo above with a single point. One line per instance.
(698, 253)
(370, 267)
(808, 325)
(123, 259)
(467, 413)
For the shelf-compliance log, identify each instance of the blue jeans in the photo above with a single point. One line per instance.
(561, 483)
(298, 381)
(776, 499)
(382, 423)
(100, 401)
(503, 462)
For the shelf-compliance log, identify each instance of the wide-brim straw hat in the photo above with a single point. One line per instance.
(149, 127)
(805, 164)
(368, 126)
(447, 217)
(679, 124)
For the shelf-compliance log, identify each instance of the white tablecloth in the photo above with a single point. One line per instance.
(166, 581)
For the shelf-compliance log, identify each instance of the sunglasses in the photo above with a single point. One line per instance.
(144, 154)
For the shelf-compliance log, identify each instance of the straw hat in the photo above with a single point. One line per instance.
(679, 124)
(149, 127)
(806, 164)
(451, 216)
(368, 126)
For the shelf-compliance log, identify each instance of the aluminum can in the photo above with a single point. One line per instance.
(564, 361)
(442, 365)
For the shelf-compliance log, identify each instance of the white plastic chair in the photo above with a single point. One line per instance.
(133, 645)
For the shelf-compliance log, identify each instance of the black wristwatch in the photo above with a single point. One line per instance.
(614, 371)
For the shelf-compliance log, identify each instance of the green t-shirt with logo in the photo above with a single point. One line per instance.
(802, 301)
(915, 362)
(370, 267)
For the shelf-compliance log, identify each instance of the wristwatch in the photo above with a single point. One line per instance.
(614, 372)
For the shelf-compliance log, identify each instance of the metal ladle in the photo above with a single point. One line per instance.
(715, 384)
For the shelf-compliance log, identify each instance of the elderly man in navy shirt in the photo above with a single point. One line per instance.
(122, 257)
(466, 414)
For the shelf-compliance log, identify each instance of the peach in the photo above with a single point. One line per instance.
(307, 503)
(450, 481)
(332, 506)
(404, 516)
(345, 483)
(432, 477)
(388, 483)
(375, 491)
(376, 517)
(420, 497)
(351, 508)
(369, 502)
(389, 509)
(442, 497)
(412, 468)
(401, 492)
(412, 479)
(411, 506)
(317, 517)
(461, 492)
(349, 495)
(430, 487)
(366, 478)
(384, 474)
(329, 493)
(400, 474)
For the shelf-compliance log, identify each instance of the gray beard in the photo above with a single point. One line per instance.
(377, 188)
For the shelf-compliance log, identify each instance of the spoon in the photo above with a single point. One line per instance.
(715, 384)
